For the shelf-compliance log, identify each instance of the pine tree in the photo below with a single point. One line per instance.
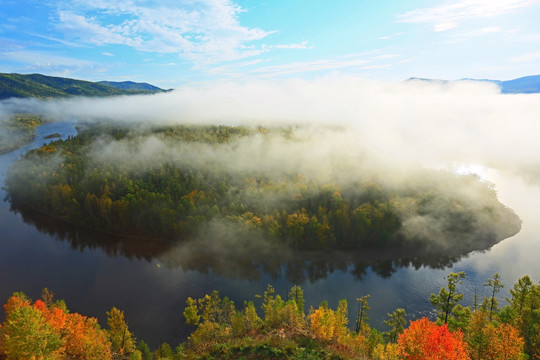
(491, 304)
(447, 298)
(396, 321)
(363, 308)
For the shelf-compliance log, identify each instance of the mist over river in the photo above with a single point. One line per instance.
(93, 272)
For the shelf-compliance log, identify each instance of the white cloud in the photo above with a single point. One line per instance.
(310, 66)
(302, 45)
(107, 54)
(444, 26)
(451, 13)
(204, 31)
(493, 29)
(526, 57)
(387, 56)
(40, 59)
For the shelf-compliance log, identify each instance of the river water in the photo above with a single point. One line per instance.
(151, 282)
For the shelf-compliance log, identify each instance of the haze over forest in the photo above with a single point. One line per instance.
(344, 147)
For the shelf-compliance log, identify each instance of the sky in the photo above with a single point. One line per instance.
(171, 43)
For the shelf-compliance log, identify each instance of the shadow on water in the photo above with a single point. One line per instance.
(229, 253)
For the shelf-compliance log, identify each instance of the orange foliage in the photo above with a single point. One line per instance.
(80, 337)
(505, 343)
(425, 340)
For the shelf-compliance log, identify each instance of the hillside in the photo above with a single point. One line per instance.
(130, 85)
(42, 86)
(522, 85)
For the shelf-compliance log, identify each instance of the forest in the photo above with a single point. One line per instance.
(170, 182)
(280, 328)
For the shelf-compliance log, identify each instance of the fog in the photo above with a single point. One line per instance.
(332, 130)
(434, 124)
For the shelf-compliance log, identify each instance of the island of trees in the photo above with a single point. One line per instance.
(45, 329)
(129, 182)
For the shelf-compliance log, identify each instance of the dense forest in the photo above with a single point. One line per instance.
(46, 329)
(171, 182)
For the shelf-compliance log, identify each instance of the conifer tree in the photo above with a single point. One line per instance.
(396, 321)
(363, 308)
(447, 299)
(491, 304)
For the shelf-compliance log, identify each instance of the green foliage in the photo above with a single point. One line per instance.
(297, 295)
(164, 351)
(122, 340)
(363, 309)
(396, 321)
(172, 199)
(191, 312)
(491, 304)
(41, 86)
(44, 331)
(143, 348)
(524, 313)
(26, 334)
(447, 299)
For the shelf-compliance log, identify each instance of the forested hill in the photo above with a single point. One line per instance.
(130, 85)
(42, 86)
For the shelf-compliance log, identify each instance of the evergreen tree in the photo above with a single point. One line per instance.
(491, 304)
(363, 308)
(297, 294)
(447, 299)
(396, 321)
(146, 354)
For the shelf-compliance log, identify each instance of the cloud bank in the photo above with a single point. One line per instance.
(427, 123)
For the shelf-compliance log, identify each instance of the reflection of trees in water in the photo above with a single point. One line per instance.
(247, 256)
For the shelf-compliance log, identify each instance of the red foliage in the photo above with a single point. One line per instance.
(425, 340)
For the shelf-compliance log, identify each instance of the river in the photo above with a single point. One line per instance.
(151, 282)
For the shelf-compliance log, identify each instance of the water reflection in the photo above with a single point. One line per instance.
(237, 256)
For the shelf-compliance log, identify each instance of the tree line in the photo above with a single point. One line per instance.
(281, 328)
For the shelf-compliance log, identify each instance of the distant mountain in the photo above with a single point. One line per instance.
(130, 85)
(522, 85)
(42, 86)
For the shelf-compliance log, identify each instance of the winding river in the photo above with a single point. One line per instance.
(151, 282)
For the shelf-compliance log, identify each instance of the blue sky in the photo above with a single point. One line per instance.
(174, 42)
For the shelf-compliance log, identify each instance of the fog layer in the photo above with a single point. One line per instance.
(430, 123)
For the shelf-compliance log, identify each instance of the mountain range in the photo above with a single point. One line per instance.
(522, 85)
(42, 86)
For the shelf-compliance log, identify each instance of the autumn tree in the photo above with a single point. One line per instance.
(122, 340)
(26, 334)
(46, 330)
(328, 324)
(488, 340)
(425, 340)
